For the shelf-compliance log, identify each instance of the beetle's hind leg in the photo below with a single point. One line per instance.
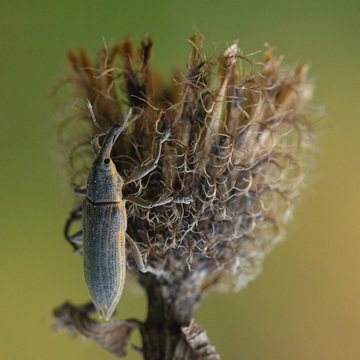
(139, 260)
(77, 241)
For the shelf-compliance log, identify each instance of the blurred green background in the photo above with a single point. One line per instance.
(305, 303)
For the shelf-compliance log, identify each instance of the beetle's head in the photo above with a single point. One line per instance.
(104, 165)
(103, 161)
(105, 183)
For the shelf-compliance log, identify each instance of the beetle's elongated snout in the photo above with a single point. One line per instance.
(110, 140)
(111, 136)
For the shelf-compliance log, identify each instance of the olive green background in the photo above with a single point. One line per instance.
(305, 303)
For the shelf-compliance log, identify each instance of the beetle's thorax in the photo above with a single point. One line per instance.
(104, 183)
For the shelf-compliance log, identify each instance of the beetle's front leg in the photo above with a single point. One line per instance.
(140, 171)
(95, 145)
(139, 260)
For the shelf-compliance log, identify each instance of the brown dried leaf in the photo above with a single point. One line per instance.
(113, 336)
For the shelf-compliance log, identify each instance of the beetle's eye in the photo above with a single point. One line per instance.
(107, 161)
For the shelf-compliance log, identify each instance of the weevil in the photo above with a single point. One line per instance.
(104, 219)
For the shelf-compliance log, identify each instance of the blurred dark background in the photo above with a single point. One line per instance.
(305, 303)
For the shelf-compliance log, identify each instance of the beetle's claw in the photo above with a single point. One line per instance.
(151, 270)
(79, 250)
(166, 135)
(128, 114)
(184, 200)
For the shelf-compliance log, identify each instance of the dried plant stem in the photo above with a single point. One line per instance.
(171, 304)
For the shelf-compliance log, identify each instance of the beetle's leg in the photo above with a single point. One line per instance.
(95, 145)
(80, 190)
(77, 239)
(140, 171)
(74, 216)
(149, 205)
(139, 260)
(137, 254)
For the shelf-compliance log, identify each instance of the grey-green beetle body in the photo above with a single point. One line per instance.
(105, 220)
(104, 230)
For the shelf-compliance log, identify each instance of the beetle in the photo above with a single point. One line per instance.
(104, 219)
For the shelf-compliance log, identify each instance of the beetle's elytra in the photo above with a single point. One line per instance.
(105, 221)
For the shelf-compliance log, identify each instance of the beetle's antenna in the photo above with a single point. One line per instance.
(89, 106)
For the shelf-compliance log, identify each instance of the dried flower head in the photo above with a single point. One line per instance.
(240, 138)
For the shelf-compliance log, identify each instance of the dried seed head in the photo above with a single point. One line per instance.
(240, 138)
